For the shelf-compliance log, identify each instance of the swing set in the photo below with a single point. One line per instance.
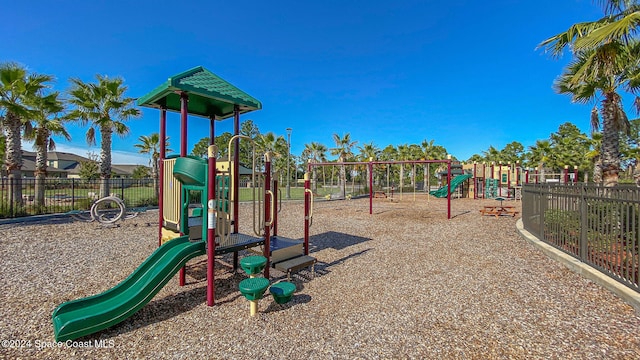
(371, 182)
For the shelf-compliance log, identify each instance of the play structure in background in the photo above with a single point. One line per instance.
(395, 179)
(375, 179)
(505, 181)
(198, 213)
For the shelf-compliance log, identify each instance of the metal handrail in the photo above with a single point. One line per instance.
(272, 208)
(310, 216)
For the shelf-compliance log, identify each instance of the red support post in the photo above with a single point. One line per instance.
(449, 189)
(500, 179)
(307, 211)
(526, 176)
(211, 215)
(184, 110)
(484, 180)
(163, 154)
(475, 181)
(575, 174)
(275, 203)
(566, 174)
(508, 180)
(370, 164)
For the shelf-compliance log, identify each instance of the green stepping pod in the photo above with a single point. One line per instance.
(282, 291)
(253, 288)
(253, 264)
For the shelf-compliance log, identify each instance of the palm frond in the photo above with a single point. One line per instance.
(621, 30)
(557, 44)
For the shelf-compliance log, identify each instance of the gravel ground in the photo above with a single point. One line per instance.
(404, 282)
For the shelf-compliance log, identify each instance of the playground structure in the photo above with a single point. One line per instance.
(389, 179)
(490, 181)
(198, 213)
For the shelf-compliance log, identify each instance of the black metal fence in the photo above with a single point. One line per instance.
(64, 195)
(598, 225)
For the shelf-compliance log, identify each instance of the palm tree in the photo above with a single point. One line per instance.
(594, 155)
(430, 151)
(512, 153)
(277, 146)
(47, 122)
(151, 145)
(606, 55)
(18, 91)
(619, 24)
(415, 153)
(343, 151)
(492, 154)
(389, 153)
(404, 153)
(250, 129)
(104, 106)
(569, 146)
(540, 153)
(369, 151)
(614, 118)
(316, 152)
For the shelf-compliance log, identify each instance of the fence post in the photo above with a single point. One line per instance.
(583, 223)
(73, 194)
(122, 190)
(544, 199)
(10, 197)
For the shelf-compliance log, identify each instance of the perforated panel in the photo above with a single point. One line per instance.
(170, 196)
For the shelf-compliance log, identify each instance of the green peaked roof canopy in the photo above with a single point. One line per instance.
(208, 95)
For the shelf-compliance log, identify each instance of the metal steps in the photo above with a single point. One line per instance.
(295, 264)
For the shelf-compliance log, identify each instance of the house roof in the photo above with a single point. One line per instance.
(209, 95)
(63, 156)
(30, 165)
(74, 167)
(124, 169)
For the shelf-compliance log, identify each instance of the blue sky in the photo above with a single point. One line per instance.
(464, 73)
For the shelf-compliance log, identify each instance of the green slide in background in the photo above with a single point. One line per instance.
(81, 317)
(442, 192)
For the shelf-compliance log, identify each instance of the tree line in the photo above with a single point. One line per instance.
(32, 110)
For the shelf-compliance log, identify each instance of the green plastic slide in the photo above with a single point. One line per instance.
(81, 317)
(442, 192)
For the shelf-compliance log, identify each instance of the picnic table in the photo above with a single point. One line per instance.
(499, 210)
